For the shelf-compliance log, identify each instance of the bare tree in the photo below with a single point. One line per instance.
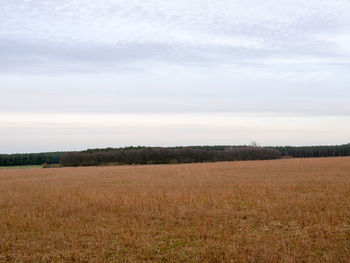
(254, 144)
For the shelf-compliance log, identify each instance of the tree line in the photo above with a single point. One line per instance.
(314, 151)
(167, 155)
(162, 155)
(30, 158)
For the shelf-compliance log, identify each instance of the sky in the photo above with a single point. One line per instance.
(78, 74)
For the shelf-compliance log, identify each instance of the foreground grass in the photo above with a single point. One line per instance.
(294, 210)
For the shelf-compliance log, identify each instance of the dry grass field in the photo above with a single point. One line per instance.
(295, 210)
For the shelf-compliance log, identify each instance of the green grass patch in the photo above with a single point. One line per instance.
(21, 167)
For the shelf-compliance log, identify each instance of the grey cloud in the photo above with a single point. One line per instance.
(61, 35)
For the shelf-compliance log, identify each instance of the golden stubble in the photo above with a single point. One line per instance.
(295, 210)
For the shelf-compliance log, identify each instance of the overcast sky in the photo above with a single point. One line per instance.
(76, 74)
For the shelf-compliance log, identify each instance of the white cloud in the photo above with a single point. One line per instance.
(339, 43)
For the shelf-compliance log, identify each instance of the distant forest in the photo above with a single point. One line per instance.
(314, 151)
(169, 155)
(30, 158)
(164, 155)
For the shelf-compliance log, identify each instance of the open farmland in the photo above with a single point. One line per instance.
(295, 210)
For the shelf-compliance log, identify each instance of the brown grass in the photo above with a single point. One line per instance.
(258, 211)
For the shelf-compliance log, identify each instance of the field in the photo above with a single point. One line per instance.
(295, 210)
